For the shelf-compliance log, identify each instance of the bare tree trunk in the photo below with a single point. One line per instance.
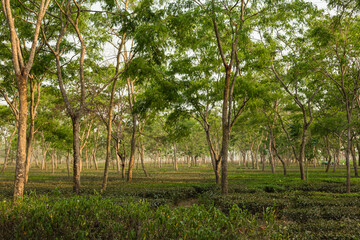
(137, 161)
(271, 156)
(86, 159)
(335, 160)
(53, 162)
(257, 154)
(263, 162)
(68, 162)
(20, 170)
(337, 154)
(175, 158)
(94, 151)
(108, 137)
(327, 145)
(8, 148)
(347, 157)
(134, 126)
(33, 106)
(76, 154)
(354, 161)
(118, 168)
(43, 165)
(302, 153)
(142, 157)
(123, 169)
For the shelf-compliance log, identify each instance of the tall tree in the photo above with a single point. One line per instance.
(336, 38)
(73, 19)
(22, 66)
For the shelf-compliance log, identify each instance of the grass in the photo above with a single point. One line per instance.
(271, 206)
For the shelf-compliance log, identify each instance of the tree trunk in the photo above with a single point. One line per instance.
(347, 155)
(142, 157)
(33, 107)
(302, 153)
(53, 162)
(122, 167)
(354, 161)
(94, 152)
(8, 148)
(337, 154)
(76, 153)
(263, 162)
(336, 160)
(328, 153)
(108, 137)
(271, 156)
(20, 170)
(175, 158)
(68, 162)
(131, 99)
(22, 68)
(43, 166)
(86, 159)
(279, 157)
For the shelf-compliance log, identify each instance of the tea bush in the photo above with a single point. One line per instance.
(95, 217)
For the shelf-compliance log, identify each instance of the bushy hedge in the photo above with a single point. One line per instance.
(95, 217)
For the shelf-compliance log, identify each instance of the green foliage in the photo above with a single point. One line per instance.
(96, 217)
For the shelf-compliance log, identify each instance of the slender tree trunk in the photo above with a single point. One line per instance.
(108, 137)
(131, 99)
(76, 153)
(354, 161)
(53, 162)
(263, 162)
(156, 158)
(118, 167)
(175, 158)
(8, 148)
(328, 153)
(271, 156)
(280, 158)
(33, 106)
(244, 159)
(68, 162)
(122, 167)
(302, 154)
(337, 154)
(215, 160)
(307, 170)
(336, 160)
(142, 157)
(257, 155)
(43, 166)
(347, 152)
(86, 159)
(94, 152)
(137, 161)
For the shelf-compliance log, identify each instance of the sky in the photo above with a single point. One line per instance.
(320, 3)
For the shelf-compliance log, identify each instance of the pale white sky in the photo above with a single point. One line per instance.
(319, 3)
